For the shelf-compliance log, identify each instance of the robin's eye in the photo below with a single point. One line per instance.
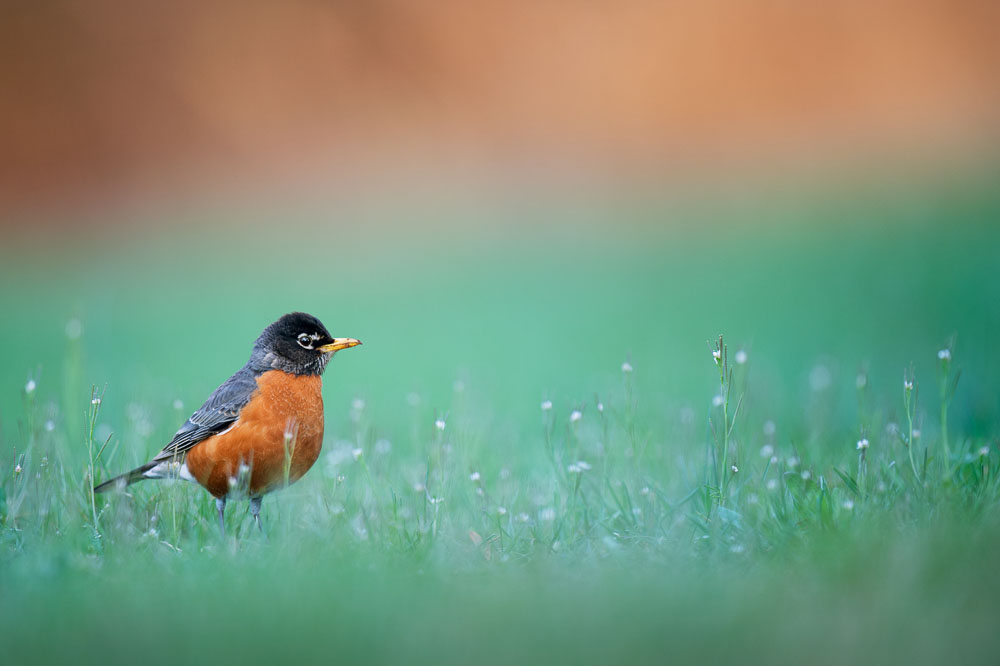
(305, 341)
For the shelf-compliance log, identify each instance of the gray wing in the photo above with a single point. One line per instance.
(218, 413)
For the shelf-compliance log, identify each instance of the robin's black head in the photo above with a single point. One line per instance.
(297, 343)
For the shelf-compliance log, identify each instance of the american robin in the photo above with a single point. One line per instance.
(262, 428)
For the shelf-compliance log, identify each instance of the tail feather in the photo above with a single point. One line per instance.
(126, 479)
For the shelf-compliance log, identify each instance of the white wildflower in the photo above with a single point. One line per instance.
(383, 446)
(546, 405)
(439, 424)
(916, 433)
(600, 406)
(95, 401)
(984, 451)
(944, 354)
(17, 469)
(741, 357)
(645, 490)
(848, 504)
(50, 426)
(862, 444)
(30, 387)
(573, 469)
(522, 517)
(717, 400)
(820, 377)
(413, 398)
(769, 428)
(792, 462)
(907, 385)
(357, 453)
(806, 475)
(772, 484)
(548, 514)
(626, 367)
(419, 487)
(74, 329)
(717, 355)
(766, 451)
(575, 416)
(436, 500)
(752, 499)
(474, 477)
(501, 511)
(734, 468)
(178, 404)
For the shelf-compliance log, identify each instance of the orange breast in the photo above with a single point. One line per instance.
(284, 403)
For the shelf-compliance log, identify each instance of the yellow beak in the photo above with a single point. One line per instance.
(338, 344)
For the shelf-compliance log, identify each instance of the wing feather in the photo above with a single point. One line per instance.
(219, 412)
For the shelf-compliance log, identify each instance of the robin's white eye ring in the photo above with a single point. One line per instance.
(305, 341)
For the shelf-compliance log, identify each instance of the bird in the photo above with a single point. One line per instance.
(262, 428)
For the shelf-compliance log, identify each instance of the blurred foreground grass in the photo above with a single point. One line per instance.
(607, 528)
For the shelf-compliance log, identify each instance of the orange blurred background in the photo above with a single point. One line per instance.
(109, 100)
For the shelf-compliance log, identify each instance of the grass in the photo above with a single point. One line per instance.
(536, 456)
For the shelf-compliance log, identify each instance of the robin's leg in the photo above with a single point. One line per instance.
(255, 511)
(220, 505)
